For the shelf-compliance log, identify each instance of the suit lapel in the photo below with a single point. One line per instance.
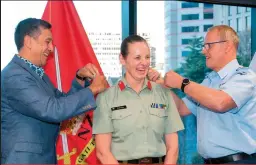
(43, 81)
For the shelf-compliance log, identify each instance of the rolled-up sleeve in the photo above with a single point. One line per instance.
(102, 122)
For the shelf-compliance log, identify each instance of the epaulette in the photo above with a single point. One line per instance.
(242, 70)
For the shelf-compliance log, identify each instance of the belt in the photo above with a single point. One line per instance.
(229, 158)
(147, 160)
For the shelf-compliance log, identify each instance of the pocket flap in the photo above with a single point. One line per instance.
(29, 147)
(158, 112)
(120, 114)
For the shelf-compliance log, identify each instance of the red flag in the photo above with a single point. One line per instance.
(72, 51)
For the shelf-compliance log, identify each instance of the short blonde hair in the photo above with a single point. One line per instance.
(226, 33)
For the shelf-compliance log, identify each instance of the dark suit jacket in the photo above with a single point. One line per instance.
(31, 111)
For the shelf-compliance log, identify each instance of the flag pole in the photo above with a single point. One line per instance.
(57, 68)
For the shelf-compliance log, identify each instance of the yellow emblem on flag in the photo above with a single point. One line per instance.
(86, 152)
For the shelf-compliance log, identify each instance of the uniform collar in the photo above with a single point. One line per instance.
(228, 69)
(122, 84)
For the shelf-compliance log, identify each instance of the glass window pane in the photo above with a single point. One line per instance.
(208, 5)
(105, 37)
(189, 5)
(206, 27)
(190, 17)
(190, 29)
(208, 15)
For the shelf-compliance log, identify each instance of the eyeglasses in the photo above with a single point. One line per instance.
(207, 46)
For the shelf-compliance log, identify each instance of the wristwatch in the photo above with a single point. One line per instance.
(80, 78)
(184, 83)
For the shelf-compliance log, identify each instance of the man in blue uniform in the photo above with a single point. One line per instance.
(224, 103)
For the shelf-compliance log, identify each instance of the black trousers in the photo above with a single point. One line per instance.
(247, 161)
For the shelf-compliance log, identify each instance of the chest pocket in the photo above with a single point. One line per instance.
(157, 119)
(122, 120)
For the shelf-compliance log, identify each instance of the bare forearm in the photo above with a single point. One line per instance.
(181, 106)
(107, 158)
(211, 98)
(160, 81)
(171, 156)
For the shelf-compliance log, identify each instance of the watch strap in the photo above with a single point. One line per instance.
(79, 77)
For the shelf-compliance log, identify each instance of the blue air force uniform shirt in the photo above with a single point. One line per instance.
(221, 134)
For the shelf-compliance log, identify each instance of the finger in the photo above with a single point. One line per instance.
(155, 77)
(90, 68)
(95, 69)
(90, 74)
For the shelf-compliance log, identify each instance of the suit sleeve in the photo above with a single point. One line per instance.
(25, 96)
(74, 88)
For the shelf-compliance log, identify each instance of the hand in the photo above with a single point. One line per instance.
(88, 71)
(153, 75)
(173, 80)
(99, 84)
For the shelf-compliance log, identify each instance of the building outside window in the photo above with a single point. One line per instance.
(208, 15)
(186, 41)
(238, 24)
(229, 10)
(190, 29)
(208, 5)
(206, 27)
(190, 17)
(185, 53)
(247, 22)
(238, 10)
(189, 5)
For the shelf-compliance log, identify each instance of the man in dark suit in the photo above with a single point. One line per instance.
(31, 108)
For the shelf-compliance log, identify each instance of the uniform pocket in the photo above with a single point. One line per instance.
(158, 112)
(122, 122)
(120, 114)
(157, 118)
(29, 147)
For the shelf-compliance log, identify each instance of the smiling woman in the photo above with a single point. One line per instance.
(136, 120)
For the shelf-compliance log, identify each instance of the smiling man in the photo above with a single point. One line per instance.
(224, 103)
(31, 108)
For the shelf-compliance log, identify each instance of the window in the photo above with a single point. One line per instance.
(229, 10)
(229, 22)
(208, 5)
(247, 22)
(248, 9)
(238, 24)
(238, 10)
(208, 15)
(190, 17)
(189, 5)
(185, 53)
(190, 29)
(206, 27)
(186, 41)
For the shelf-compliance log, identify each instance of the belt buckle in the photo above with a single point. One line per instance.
(145, 161)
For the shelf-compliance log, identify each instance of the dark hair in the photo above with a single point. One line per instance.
(130, 39)
(31, 27)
